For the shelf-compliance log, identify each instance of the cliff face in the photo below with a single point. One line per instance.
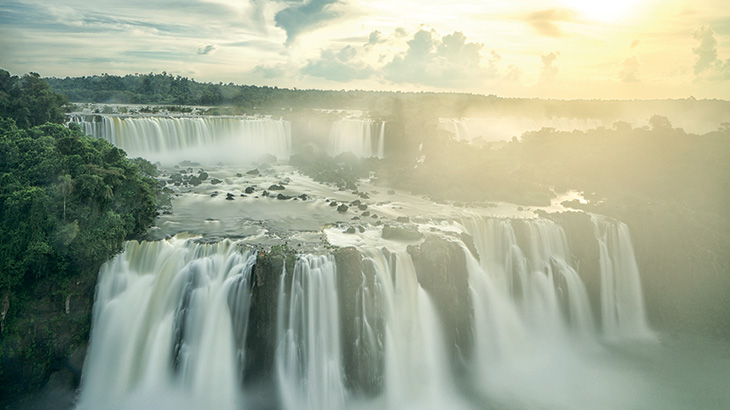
(44, 337)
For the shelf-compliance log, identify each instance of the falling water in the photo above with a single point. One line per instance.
(622, 304)
(309, 361)
(201, 138)
(166, 319)
(360, 137)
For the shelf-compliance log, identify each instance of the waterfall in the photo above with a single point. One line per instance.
(622, 305)
(165, 324)
(416, 371)
(171, 319)
(472, 129)
(309, 361)
(360, 137)
(201, 138)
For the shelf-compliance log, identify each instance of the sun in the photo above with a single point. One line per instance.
(603, 10)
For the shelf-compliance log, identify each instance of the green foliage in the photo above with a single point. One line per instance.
(29, 100)
(67, 201)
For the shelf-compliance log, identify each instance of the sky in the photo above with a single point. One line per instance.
(563, 49)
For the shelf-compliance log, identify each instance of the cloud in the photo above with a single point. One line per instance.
(513, 73)
(708, 65)
(270, 71)
(629, 68)
(544, 21)
(305, 17)
(207, 49)
(375, 38)
(341, 66)
(549, 72)
(448, 61)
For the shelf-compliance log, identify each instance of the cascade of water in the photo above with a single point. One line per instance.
(165, 322)
(356, 136)
(504, 128)
(417, 374)
(622, 305)
(309, 359)
(160, 138)
(534, 273)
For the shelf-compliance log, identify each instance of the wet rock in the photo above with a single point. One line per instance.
(350, 230)
(366, 213)
(194, 181)
(303, 197)
(239, 175)
(403, 219)
(364, 195)
(203, 175)
(254, 171)
(283, 197)
(229, 196)
(214, 194)
(215, 181)
(276, 187)
(362, 207)
(355, 202)
(249, 190)
(333, 203)
(398, 233)
(441, 271)
(391, 192)
(342, 208)
(265, 193)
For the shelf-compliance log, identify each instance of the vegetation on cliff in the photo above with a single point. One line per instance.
(67, 202)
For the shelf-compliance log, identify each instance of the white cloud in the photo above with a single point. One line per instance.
(629, 68)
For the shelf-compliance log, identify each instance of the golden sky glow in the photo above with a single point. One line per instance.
(552, 49)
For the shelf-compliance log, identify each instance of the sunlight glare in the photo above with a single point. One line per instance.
(608, 11)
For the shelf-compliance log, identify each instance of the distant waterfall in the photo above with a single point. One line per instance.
(199, 138)
(622, 304)
(364, 138)
(167, 318)
(486, 129)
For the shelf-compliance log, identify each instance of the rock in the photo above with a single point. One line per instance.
(203, 175)
(362, 207)
(265, 193)
(333, 203)
(249, 190)
(403, 219)
(360, 228)
(355, 202)
(229, 196)
(441, 271)
(398, 233)
(166, 212)
(364, 195)
(254, 171)
(239, 175)
(214, 194)
(303, 197)
(350, 230)
(276, 187)
(391, 192)
(342, 208)
(283, 197)
(194, 181)
(355, 218)
(215, 181)
(366, 213)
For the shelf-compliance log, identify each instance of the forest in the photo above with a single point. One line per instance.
(67, 203)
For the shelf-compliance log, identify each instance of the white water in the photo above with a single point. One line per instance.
(308, 359)
(208, 139)
(364, 138)
(622, 304)
(164, 328)
(474, 129)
